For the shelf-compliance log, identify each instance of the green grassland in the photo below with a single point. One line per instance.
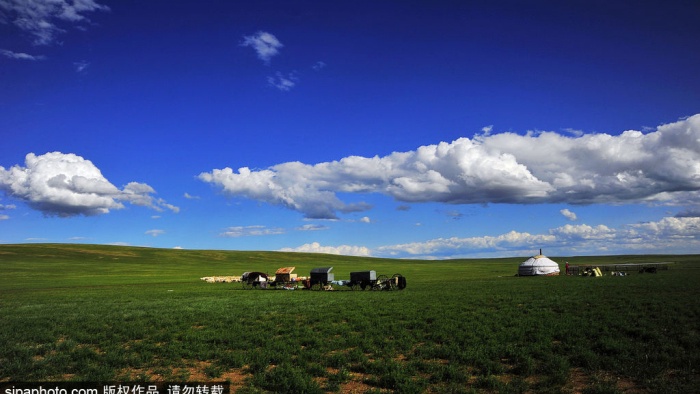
(123, 314)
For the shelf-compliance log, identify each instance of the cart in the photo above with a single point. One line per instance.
(285, 279)
(368, 280)
(320, 279)
(251, 280)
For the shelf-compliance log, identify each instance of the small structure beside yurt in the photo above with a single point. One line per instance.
(539, 265)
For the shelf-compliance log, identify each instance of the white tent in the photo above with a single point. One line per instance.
(538, 265)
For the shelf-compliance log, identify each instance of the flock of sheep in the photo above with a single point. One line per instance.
(221, 279)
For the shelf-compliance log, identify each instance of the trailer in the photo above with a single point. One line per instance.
(251, 280)
(363, 280)
(285, 279)
(369, 280)
(320, 279)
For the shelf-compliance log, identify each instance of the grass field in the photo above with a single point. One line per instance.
(106, 314)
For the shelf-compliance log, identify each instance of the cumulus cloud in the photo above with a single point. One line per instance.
(662, 166)
(265, 44)
(455, 245)
(266, 185)
(668, 235)
(249, 231)
(64, 185)
(160, 203)
(315, 247)
(583, 232)
(20, 55)
(602, 168)
(40, 18)
(568, 214)
(671, 227)
(4, 217)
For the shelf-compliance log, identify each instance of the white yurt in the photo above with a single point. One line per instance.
(538, 265)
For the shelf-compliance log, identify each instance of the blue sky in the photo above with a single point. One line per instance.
(408, 129)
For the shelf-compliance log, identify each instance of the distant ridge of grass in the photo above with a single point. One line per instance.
(37, 265)
(68, 250)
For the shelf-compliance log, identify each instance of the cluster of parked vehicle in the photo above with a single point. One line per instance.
(321, 279)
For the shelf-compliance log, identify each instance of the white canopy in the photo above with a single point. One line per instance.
(538, 265)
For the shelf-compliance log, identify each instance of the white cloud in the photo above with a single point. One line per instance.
(312, 227)
(67, 185)
(265, 44)
(583, 232)
(191, 197)
(602, 168)
(282, 82)
(668, 235)
(20, 55)
(365, 219)
(456, 245)
(568, 214)
(662, 166)
(671, 227)
(266, 185)
(315, 247)
(249, 231)
(161, 203)
(4, 217)
(319, 66)
(155, 232)
(40, 17)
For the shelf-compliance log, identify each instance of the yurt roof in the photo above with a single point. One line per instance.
(540, 259)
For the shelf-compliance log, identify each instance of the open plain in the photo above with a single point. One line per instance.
(124, 314)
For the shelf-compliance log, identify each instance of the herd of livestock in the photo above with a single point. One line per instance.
(319, 279)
